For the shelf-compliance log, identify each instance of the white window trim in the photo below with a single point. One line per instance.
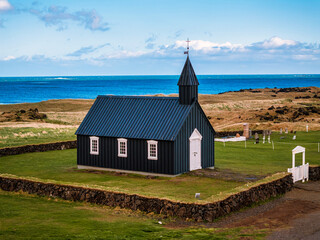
(149, 144)
(122, 140)
(91, 150)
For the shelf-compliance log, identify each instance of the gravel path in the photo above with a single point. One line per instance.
(296, 215)
(305, 226)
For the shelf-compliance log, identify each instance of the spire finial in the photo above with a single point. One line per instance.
(187, 52)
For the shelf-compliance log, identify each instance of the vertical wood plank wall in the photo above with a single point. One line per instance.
(137, 159)
(181, 145)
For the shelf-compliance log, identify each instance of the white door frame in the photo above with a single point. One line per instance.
(195, 150)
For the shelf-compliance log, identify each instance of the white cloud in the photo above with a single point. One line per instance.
(305, 57)
(86, 50)
(270, 50)
(275, 43)
(8, 58)
(207, 46)
(5, 5)
(122, 55)
(60, 16)
(273, 50)
(272, 45)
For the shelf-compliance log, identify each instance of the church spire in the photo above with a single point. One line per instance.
(188, 82)
(188, 76)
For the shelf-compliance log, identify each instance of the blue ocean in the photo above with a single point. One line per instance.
(36, 89)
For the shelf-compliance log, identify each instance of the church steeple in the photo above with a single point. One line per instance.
(188, 84)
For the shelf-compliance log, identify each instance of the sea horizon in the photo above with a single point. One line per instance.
(124, 75)
(41, 88)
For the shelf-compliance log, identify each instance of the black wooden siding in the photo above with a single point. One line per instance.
(188, 94)
(196, 119)
(137, 159)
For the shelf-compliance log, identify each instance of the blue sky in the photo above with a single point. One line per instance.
(147, 37)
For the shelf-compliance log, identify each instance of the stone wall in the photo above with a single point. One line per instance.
(314, 173)
(226, 134)
(198, 212)
(37, 148)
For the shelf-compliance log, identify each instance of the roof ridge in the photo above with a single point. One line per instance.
(137, 97)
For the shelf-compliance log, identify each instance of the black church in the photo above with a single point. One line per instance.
(148, 135)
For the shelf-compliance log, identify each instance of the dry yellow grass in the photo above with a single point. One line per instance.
(226, 112)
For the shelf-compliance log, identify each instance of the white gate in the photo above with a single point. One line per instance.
(195, 150)
(300, 172)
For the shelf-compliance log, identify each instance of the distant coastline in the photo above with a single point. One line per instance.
(263, 108)
(36, 89)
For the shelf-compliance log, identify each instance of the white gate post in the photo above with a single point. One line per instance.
(303, 166)
(293, 160)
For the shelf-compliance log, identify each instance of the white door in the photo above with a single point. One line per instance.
(195, 150)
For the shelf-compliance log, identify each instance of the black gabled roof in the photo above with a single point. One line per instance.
(158, 118)
(188, 76)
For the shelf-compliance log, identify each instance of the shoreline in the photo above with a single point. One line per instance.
(262, 108)
(254, 90)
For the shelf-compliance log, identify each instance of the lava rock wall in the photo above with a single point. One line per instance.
(195, 211)
(38, 148)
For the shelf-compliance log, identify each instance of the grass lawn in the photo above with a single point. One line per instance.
(60, 166)
(25, 216)
(10, 136)
(256, 159)
(261, 159)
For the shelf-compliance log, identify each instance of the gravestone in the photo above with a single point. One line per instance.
(294, 137)
(264, 136)
(269, 139)
(280, 130)
(246, 130)
(256, 136)
(286, 131)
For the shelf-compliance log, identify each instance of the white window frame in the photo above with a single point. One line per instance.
(122, 140)
(152, 142)
(92, 152)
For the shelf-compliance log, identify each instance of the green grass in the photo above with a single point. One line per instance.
(261, 159)
(10, 137)
(60, 166)
(256, 159)
(31, 217)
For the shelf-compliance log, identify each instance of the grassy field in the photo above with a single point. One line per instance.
(24, 216)
(256, 159)
(261, 159)
(60, 166)
(45, 218)
(18, 136)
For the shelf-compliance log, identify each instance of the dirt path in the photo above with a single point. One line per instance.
(305, 224)
(296, 215)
